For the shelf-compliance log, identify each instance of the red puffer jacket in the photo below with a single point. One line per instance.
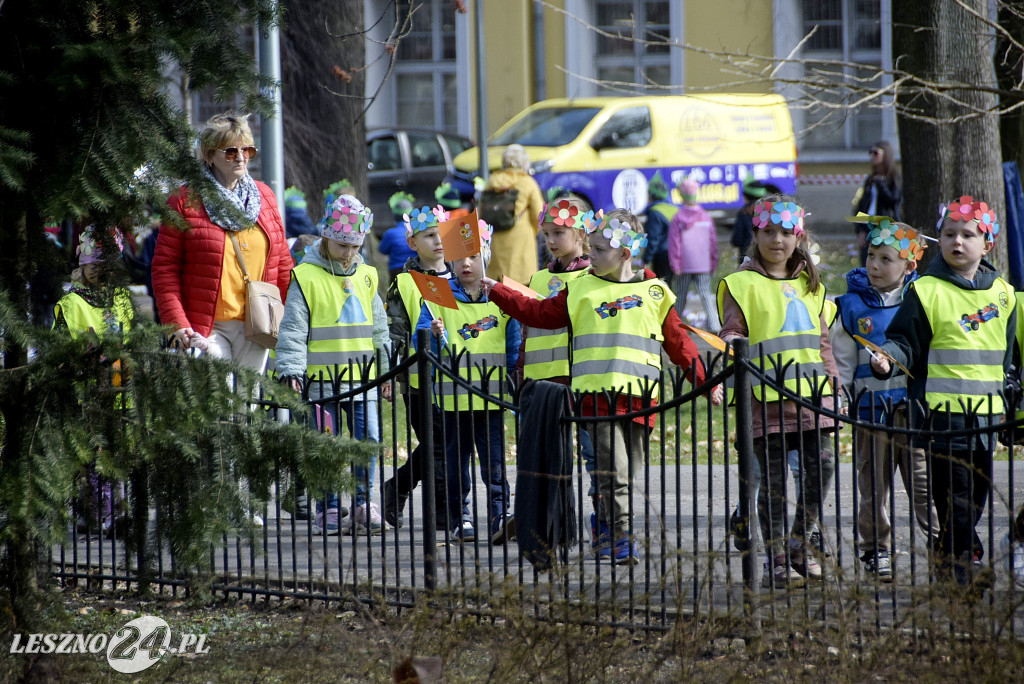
(187, 265)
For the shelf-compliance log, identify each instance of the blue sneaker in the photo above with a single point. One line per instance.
(626, 550)
(600, 538)
(464, 532)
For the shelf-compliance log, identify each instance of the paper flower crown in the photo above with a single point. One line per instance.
(591, 220)
(619, 234)
(424, 218)
(902, 238)
(346, 221)
(967, 209)
(564, 213)
(89, 250)
(789, 215)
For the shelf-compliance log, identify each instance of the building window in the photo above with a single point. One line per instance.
(846, 32)
(426, 91)
(632, 51)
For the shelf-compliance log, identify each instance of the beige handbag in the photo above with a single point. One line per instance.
(263, 306)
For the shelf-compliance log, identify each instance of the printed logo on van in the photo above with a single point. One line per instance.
(629, 191)
(699, 132)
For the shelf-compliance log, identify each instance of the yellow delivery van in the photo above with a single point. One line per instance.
(608, 148)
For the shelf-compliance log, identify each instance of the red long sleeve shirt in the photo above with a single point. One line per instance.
(553, 313)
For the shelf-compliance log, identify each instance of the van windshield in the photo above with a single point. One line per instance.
(548, 127)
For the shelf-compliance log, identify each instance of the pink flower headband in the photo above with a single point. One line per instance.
(346, 221)
(967, 209)
(789, 215)
(564, 213)
(90, 251)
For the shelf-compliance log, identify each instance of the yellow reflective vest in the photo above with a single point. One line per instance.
(968, 345)
(340, 322)
(546, 353)
(784, 327)
(479, 329)
(81, 316)
(617, 333)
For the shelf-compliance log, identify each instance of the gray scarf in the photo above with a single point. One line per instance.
(245, 199)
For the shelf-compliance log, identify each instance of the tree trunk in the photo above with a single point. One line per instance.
(322, 45)
(1008, 64)
(949, 149)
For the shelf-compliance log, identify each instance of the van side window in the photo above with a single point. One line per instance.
(383, 154)
(426, 150)
(628, 128)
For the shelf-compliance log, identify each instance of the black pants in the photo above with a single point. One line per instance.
(961, 481)
(411, 473)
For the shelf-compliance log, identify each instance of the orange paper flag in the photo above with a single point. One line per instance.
(520, 288)
(712, 339)
(460, 237)
(434, 289)
(875, 350)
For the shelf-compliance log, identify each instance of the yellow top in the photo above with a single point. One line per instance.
(231, 299)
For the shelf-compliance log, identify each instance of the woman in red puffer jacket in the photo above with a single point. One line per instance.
(197, 280)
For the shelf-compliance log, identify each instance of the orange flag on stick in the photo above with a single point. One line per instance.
(712, 339)
(434, 289)
(520, 288)
(460, 237)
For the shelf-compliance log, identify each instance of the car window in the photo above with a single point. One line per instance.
(384, 155)
(548, 127)
(456, 145)
(628, 128)
(426, 150)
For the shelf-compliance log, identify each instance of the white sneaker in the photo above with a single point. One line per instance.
(257, 520)
(365, 519)
(1014, 552)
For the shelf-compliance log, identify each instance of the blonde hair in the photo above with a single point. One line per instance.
(515, 157)
(223, 130)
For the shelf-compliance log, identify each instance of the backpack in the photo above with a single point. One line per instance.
(498, 207)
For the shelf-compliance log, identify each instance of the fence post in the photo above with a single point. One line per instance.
(427, 444)
(745, 459)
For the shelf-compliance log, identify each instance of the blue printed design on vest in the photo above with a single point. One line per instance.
(797, 317)
(621, 304)
(865, 325)
(555, 285)
(352, 309)
(973, 321)
(474, 329)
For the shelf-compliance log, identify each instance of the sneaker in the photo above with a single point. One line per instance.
(394, 503)
(626, 550)
(780, 571)
(365, 520)
(503, 529)
(738, 531)
(257, 520)
(326, 524)
(1014, 554)
(464, 532)
(802, 562)
(600, 538)
(878, 564)
(817, 542)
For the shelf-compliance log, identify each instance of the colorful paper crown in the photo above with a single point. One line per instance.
(293, 197)
(591, 220)
(90, 251)
(447, 196)
(619, 234)
(424, 218)
(336, 190)
(885, 231)
(789, 215)
(689, 188)
(563, 213)
(347, 221)
(401, 203)
(967, 209)
(754, 188)
(657, 187)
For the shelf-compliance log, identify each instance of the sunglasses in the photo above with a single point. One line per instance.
(231, 153)
(875, 152)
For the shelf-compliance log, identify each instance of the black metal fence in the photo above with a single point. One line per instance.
(693, 480)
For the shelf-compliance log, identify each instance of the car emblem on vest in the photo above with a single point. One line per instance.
(657, 292)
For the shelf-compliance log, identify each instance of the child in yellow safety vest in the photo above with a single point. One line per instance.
(777, 300)
(404, 306)
(954, 332)
(621, 321)
(91, 307)
(492, 340)
(333, 326)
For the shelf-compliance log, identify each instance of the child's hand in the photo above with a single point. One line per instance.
(387, 392)
(880, 364)
(717, 394)
(487, 283)
(437, 327)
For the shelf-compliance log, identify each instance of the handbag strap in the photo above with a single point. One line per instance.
(238, 253)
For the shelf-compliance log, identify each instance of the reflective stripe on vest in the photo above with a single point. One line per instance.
(968, 345)
(858, 317)
(479, 329)
(784, 326)
(617, 336)
(340, 343)
(412, 300)
(546, 352)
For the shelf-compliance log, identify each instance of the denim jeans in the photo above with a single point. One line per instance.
(464, 430)
(361, 421)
